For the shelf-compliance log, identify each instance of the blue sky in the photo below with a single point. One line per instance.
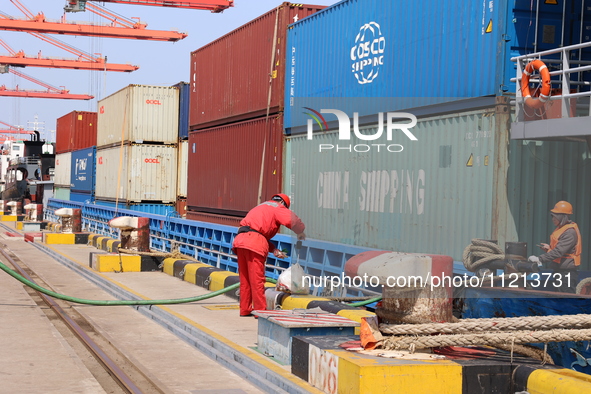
(161, 63)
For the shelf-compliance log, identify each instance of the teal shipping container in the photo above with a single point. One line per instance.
(418, 53)
(61, 193)
(463, 178)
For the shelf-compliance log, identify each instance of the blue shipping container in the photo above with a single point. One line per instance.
(84, 197)
(417, 53)
(82, 176)
(184, 94)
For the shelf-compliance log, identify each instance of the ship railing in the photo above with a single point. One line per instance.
(24, 160)
(570, 88)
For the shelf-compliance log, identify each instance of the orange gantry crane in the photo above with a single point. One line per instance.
(119, 27)
(4, 138)
(13, 129)
(50, 92)
(209, 5)
(85, 61)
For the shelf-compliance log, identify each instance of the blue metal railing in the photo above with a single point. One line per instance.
(212, 243)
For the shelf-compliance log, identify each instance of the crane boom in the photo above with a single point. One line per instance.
(14, 129)
(119, 28)
(11, 127)
(84, 62)
(100, 65)
(208, 5)
(4, 92)
(9, 131)
(51, 92)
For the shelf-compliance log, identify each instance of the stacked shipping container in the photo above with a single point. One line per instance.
(237, 95)
(82, 178)
(184, 108)
(412, 54)
(183, 177)
(137, 136)
(462, 178)
(152, 123)
(61, 179)
(75, 131)
(147, 173)
(238, 163)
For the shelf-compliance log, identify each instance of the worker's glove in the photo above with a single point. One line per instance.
(301, 237)
(535, 259)
(279, 254)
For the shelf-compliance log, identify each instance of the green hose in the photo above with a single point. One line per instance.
(53, 294)
(366, 302)
(216, 293)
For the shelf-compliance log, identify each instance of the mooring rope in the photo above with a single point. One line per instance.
(493, 324)
(491, 339)
(481, 252)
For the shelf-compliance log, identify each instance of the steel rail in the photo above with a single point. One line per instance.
(117, 373)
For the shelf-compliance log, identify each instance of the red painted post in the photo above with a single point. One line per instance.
(76, 220)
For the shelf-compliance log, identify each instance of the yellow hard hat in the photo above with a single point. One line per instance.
(563, 207)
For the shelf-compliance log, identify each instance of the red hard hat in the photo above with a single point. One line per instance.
(563, 207)
(284, 197)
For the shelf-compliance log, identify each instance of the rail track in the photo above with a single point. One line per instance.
(115, 372)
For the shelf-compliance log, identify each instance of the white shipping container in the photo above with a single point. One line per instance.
(63, 169)
(140, 114)
(183, 168)
(137, 173)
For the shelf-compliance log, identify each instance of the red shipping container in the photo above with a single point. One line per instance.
(231, 77)
(75, 131)
(226, 166)
(213, 218)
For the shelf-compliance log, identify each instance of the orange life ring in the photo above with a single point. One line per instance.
(546, 86)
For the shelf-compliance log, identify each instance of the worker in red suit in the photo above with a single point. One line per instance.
(252, 245)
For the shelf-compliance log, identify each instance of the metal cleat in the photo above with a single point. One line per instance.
(135, 232)
(70, 219)
(33, 212)
(13, 207)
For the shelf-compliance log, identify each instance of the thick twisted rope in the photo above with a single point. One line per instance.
(493, 324)
(481, 252)
(492, 339)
